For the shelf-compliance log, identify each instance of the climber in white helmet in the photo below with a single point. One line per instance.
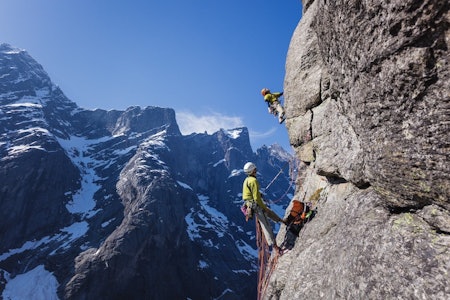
(255, 204)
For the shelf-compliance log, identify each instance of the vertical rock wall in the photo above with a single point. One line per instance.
(367, 92)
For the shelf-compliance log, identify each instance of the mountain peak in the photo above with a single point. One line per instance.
(137, 119)
(21, 77)
(8, 49)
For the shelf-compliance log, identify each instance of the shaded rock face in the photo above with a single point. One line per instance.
(368, 105)
(118, 204)
(30, 157)
(151, 254)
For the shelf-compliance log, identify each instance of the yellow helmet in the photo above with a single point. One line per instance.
(265, 91)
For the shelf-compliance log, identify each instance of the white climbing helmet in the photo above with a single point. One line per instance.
(249, 168)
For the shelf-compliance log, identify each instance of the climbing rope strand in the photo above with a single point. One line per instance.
(292, 176)
(267, 262)
(285, 193)
(263, 250)
(276, 176)
(272, 263)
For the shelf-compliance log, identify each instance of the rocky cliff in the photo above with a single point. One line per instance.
(367, 92)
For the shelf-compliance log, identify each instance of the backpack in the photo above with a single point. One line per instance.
(300, 213)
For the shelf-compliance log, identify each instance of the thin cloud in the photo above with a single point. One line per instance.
(262, 135)
(189, 122)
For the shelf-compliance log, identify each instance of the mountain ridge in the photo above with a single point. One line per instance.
(121, 196)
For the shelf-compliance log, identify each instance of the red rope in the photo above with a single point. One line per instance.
(266, 264)
(263, 249)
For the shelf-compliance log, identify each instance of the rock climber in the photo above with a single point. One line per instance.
(255, 204)
(274, 105)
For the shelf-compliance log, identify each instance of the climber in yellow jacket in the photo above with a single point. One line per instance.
(274, 105)
(255, 204)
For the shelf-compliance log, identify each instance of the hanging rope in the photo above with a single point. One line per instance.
(263, 257)
(293, 165)
(267, 262)
(270, 183)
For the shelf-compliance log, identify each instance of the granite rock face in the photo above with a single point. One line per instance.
(367, 92)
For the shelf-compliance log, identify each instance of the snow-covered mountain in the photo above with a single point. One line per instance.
(99, 204)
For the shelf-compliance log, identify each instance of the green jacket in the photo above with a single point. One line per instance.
(272, 97)
(250, 191)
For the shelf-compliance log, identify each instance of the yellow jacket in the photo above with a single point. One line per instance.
(250, 191)
(272, 97)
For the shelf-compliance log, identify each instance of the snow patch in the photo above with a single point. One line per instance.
(37, 284)
(124, 151)
(67, 236)
(78, 149)
(206, 220)
(193, 228)
(15, 150)
(246, 250)
(219, 162)
(234, 133)
(11, 51)
(246, 272)
(226, 291)
(202, 264)
(217, 217)
(104, 224)
(156, 140)
(184, 185)
(236, 172)
(25, 103)
(74, 232)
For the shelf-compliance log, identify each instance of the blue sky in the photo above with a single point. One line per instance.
(206, 59)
